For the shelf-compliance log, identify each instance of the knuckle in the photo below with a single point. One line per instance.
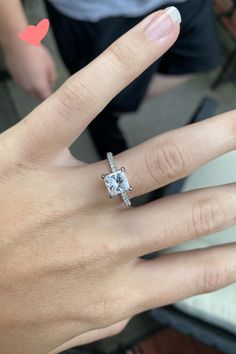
(122, 56)
(100, 313)
(211, 276)
(74, 95)
(207, 216)
(165, 162)
(106, 310)
(102, 254)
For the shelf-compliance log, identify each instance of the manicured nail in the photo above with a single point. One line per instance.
(164, 24)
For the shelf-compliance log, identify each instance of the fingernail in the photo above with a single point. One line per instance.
(164, 24)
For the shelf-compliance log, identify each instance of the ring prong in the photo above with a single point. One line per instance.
(103, 176)
(131, 188)
(122, 169)
(111, 196)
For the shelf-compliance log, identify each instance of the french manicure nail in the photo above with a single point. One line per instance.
(164, 24)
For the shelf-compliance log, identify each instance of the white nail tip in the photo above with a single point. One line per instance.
(174, 13)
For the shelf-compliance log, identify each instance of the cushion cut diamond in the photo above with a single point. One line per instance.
(116, 183)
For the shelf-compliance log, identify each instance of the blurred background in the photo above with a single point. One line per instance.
(204, 324)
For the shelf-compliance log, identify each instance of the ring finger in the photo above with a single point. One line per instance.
(171, 156)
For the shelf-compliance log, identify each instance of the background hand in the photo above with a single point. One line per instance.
(70, 255)
(32, 68)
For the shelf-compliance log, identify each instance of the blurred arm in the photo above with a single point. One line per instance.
(12, 21)
(31, 67)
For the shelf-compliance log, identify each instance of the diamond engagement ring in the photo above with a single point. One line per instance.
(117, 182)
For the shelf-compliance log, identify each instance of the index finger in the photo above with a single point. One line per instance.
(60, 119)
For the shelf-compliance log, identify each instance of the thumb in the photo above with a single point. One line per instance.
(52, 73)
(43, 90)
(46, 89)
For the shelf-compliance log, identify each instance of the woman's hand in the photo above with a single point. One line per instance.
(32, 68)
(69, 256)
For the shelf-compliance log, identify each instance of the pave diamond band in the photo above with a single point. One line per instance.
(111, 162)
(117, 182)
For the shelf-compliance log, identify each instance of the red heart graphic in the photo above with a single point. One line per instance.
(35, 34)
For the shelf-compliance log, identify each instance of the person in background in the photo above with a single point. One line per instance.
(71, 271)
(83, 29)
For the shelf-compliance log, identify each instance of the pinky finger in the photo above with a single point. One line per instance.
(174, 277)
(44, 91)
(92, 336)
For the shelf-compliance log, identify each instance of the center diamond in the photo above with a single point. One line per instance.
(116, 183)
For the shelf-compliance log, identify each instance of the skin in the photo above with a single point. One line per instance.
(33, 68)
(71, 271)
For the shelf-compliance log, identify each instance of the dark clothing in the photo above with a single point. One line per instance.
(196, 49)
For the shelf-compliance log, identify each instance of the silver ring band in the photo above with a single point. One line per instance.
(117, 182)
(111, 161)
